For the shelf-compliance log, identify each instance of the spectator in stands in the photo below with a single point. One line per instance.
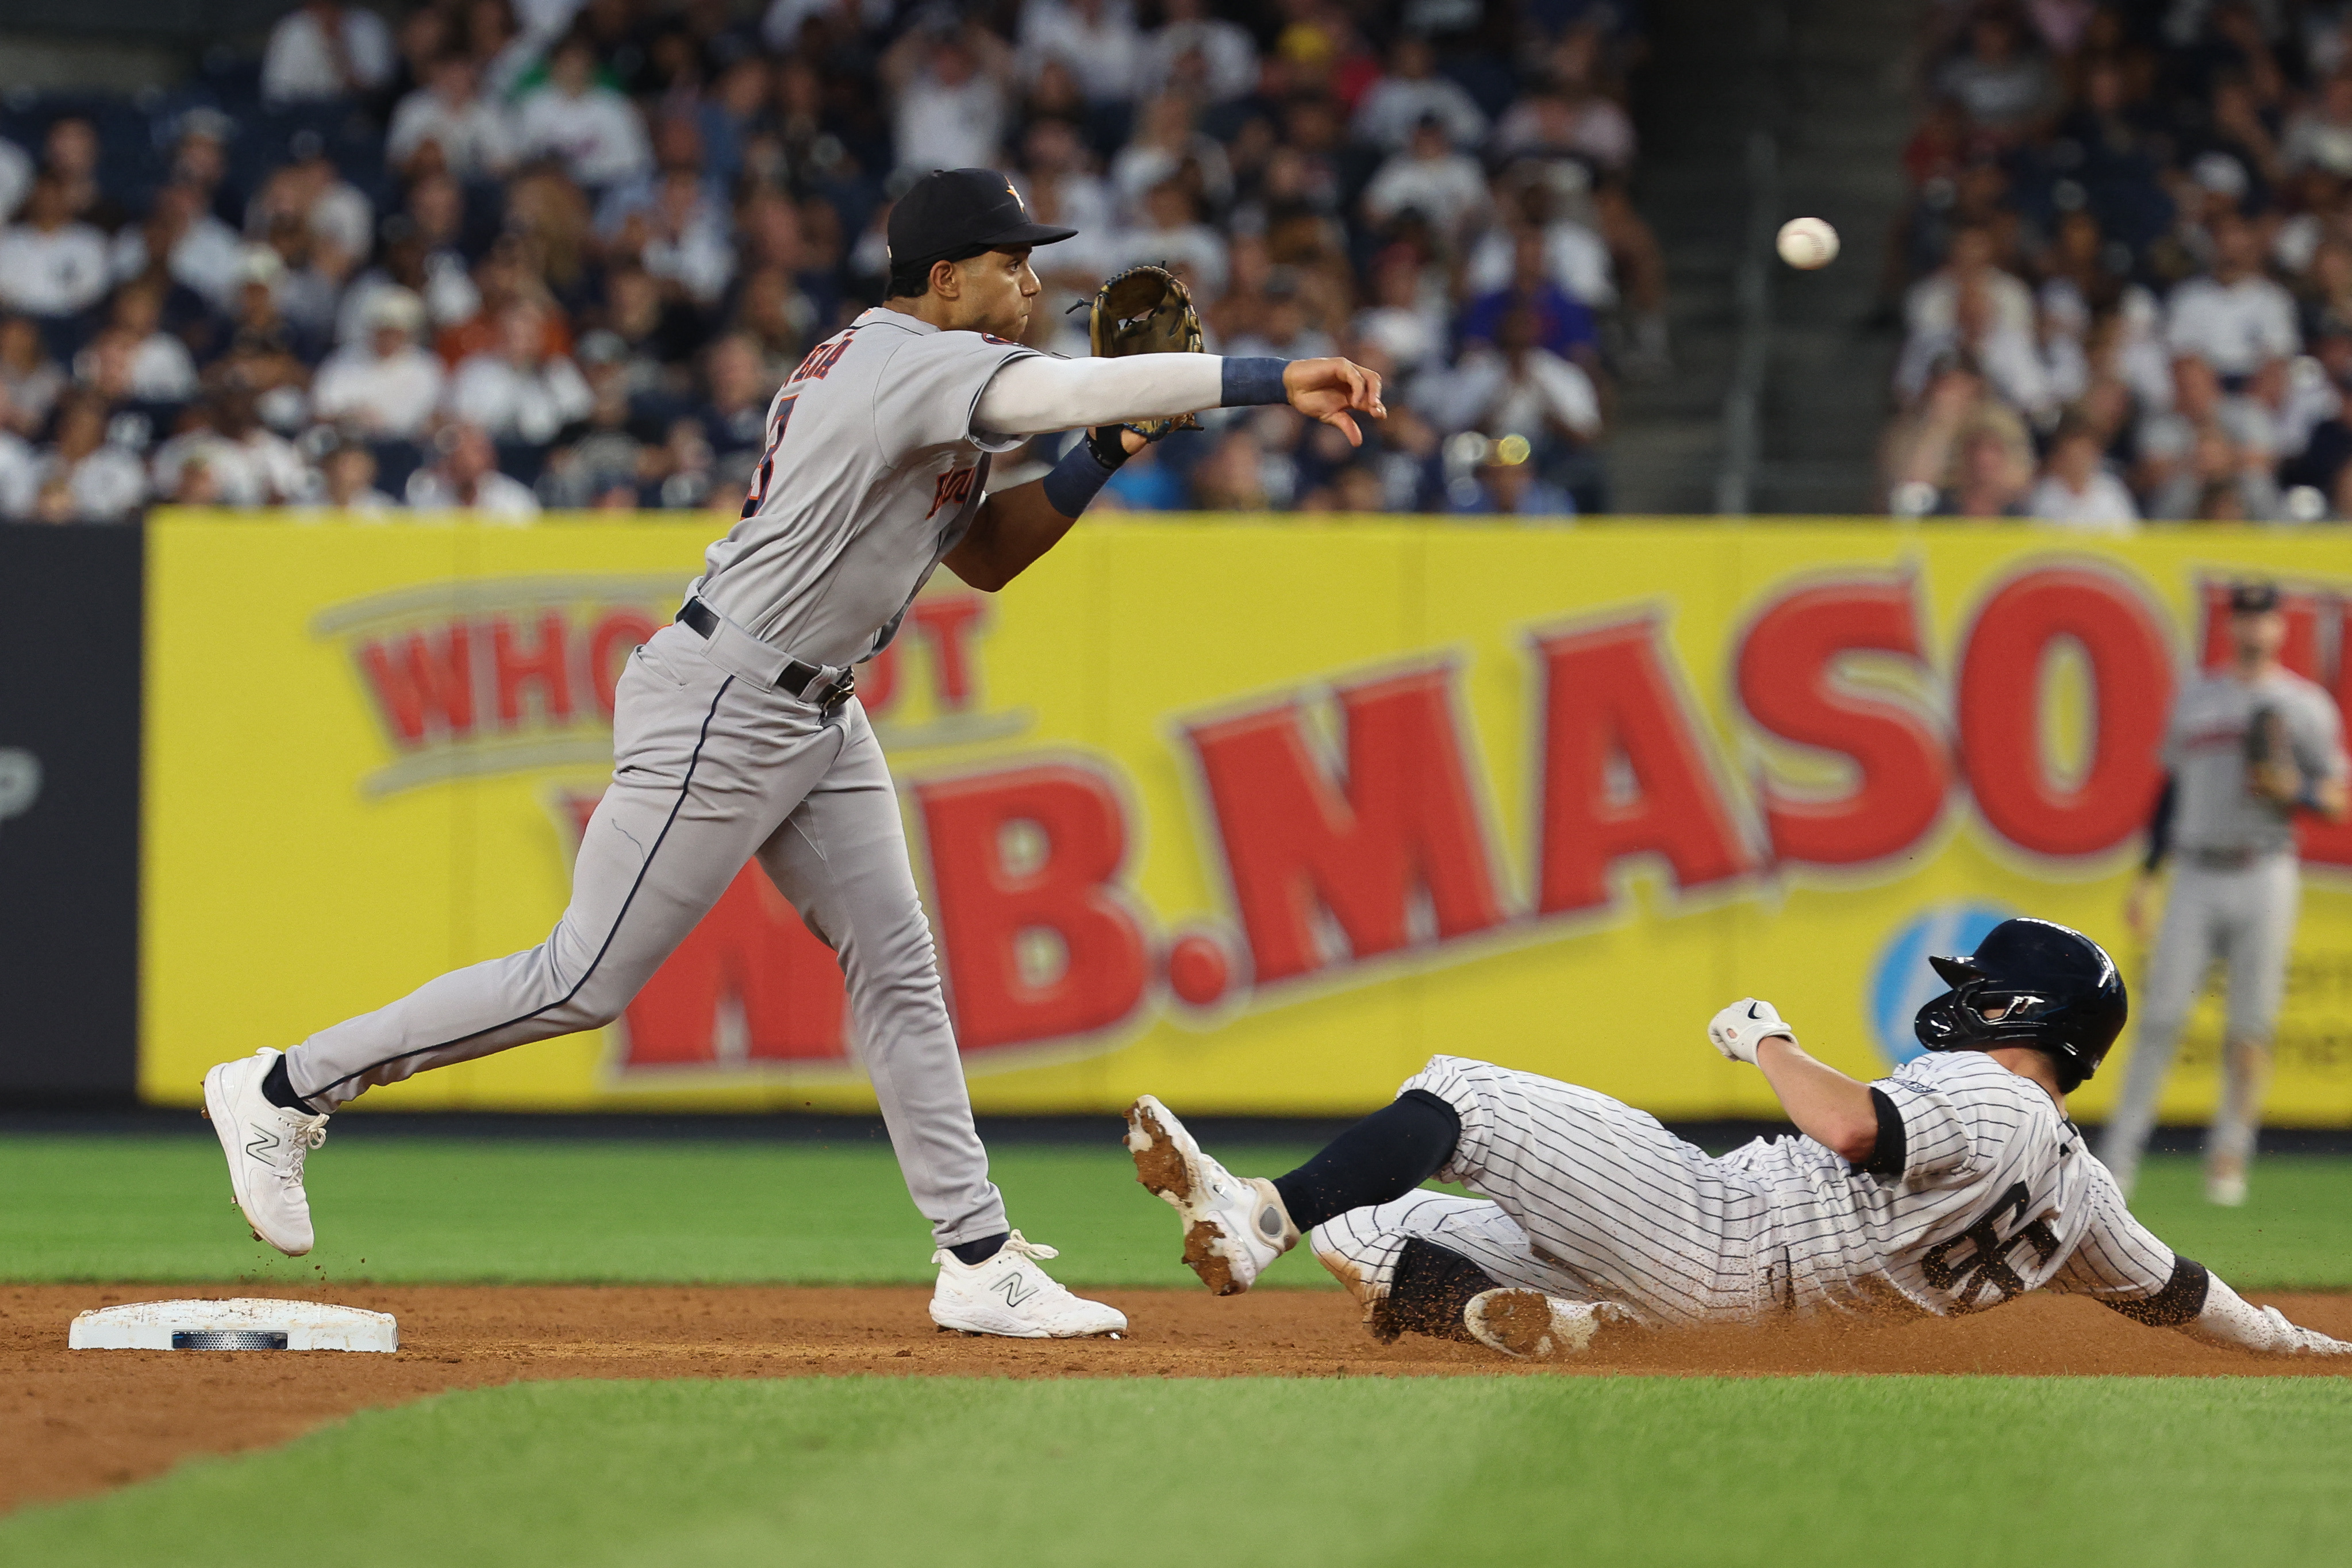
(1403, 322)
(471, 136)
(1513, 388)
(596, 132)
(1506, 484)
(323, 51)
(183, 243)
(2235, 318)
(1429, 177)
(157, 366)
(50, 265)
(1412, 94)
(347, 483)
(1096, 39)
(465, 478)
(244, 463)
(734, 419)
(30, 380)
(15, 177)
(388, 386)
(2003, 86)
(103, 481)
(1209, 58)
(70, 152)
(2319, 135)
(20, 467)
(952, 83)
(2075, 489)
(519, 391)
(1564, 326)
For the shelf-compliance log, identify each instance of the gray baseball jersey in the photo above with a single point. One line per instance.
(2205, 752)
(871, 473)
(2235, 894)
(1981, 1190)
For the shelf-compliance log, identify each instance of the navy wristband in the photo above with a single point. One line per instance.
(1075, 479)
(1252, 381)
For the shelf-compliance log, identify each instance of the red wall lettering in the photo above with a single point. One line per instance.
(986, 904)
(1608, 696)
(2000, 710)
(542, 666)
(877, 681)
(609, 645)
(751, 947)
(1788, 681)
(947, 621)
(1294, 841)
(423, 683)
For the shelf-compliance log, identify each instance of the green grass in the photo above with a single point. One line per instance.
(409, 1210)
(418, 1210)
(1417, 1473)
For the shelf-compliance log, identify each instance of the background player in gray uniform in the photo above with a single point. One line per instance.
(736, 734)
(1952, 1185)
(2247, 748)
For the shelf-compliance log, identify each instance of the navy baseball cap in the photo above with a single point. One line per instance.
(949, 214)
(2254, 598)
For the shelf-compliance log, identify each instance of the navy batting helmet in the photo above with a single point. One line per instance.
(2054, 989)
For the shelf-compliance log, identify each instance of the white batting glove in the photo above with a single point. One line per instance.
(1738, 1027)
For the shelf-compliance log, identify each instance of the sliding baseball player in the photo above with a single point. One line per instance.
(1953, 1186)
(737, 735)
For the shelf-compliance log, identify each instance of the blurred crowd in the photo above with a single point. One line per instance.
(513, 254)
(2124, 272)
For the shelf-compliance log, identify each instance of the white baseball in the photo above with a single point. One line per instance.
(1808, 242)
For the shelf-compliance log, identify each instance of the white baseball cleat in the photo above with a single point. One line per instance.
(1234, 1226)
(2226, 1189)
(1537, 1327)
(1008, 1294)
(266, 1145)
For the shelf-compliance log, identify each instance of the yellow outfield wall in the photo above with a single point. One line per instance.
(1252, 814)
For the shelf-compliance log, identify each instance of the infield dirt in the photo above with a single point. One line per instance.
(78, 1422)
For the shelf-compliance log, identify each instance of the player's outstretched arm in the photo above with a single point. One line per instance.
(2227, 1318)
(1827, 1106)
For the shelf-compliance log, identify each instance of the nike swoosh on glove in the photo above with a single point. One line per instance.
(1737, 1029)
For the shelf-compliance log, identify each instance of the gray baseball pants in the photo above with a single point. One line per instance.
(2246, 917)
(711, 769)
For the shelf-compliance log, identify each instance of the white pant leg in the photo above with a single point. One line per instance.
(1605, 1194)
(1361, 1247)
(841, 859)
(705, 766)
(2176, 971)
(2264, 903)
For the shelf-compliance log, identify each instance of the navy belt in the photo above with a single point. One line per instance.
(802, 679)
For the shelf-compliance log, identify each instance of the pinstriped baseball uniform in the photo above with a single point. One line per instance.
(872, 472)
(1980, 1191)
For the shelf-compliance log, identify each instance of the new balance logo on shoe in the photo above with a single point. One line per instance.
(264, 1145)
(1010, 1288)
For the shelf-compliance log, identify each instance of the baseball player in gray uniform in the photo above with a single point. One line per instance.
(737, 735)
(2247, 749)
(1952, 1185)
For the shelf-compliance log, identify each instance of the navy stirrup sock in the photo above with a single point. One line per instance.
(279, 1089)
(971, 1254)
(1381, 1158)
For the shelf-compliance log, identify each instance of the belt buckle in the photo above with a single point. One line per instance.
(838, 693)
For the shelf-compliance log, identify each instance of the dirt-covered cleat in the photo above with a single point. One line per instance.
(1534, 1326)
(1233, 1226)
(1008, 1293)
(266, 1145)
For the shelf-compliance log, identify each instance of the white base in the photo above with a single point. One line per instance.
(307, 1325)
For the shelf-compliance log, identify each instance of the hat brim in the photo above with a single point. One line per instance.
(1031, 234)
